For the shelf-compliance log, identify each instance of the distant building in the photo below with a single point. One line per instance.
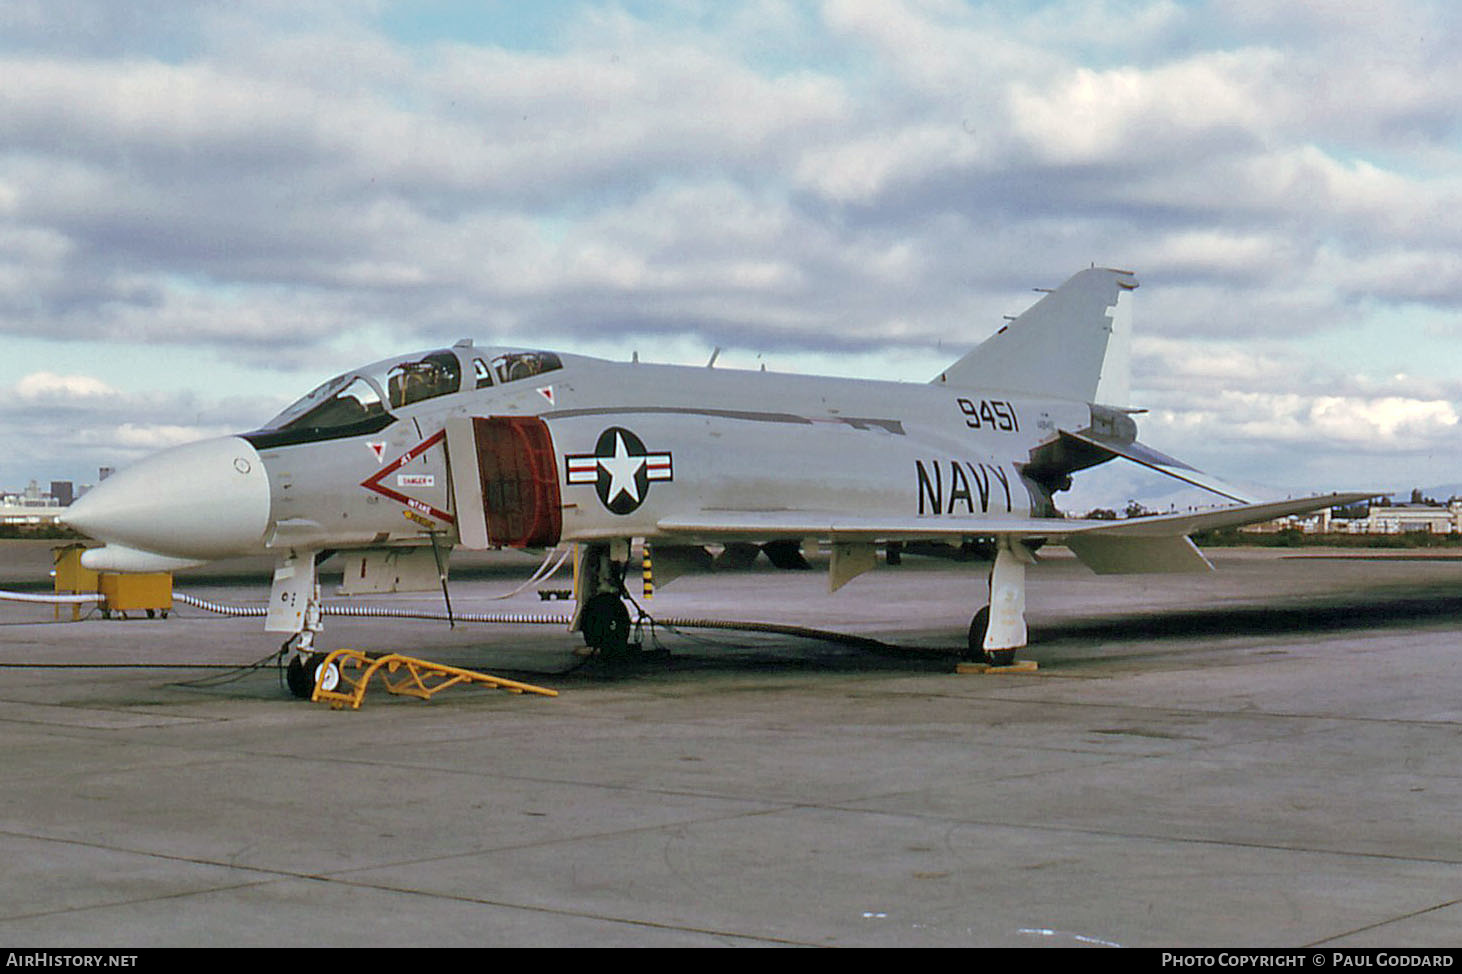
(13, 514)
(1395, 519)
(34, 506)
(1403, 518)
(24, 509)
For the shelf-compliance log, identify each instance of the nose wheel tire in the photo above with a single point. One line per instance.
(301, 675)
(300, 684)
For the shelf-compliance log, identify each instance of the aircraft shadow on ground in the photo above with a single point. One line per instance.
(673, 651)
(1301, 616)
(738, 652)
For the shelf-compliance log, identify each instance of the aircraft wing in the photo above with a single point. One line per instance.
(764, 525)
(1136, 545)
(1170, 525)
(732, 525)
(1160, 544)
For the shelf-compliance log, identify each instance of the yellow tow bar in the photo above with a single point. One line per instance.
(347, 671)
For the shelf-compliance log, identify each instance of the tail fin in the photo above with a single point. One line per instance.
(1074, 343)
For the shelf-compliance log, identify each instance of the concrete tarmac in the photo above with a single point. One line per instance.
(1263, 756)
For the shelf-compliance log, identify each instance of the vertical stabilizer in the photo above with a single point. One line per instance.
(1075, 343)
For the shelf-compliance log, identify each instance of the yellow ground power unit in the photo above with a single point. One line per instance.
(150, 592)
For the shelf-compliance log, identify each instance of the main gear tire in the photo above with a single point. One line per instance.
(975, 652)
(606, 626)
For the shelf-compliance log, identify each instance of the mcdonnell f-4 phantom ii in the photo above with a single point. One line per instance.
(494, 447)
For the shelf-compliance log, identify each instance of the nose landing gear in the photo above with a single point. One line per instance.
(304, 672)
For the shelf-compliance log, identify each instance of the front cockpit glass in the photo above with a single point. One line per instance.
(523, 365)
(435, 374)
(303, 405)
(344, 402)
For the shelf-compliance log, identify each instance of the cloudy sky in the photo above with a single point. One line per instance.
(207, 208)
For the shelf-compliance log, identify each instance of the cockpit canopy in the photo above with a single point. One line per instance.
(367, 400)
(434, 374)
(512, 366)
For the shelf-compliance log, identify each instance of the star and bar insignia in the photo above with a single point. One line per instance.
(620, 468)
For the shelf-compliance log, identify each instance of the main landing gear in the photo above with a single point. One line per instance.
(602, 616)
(998, 629)
(977, 653)
(606, 625)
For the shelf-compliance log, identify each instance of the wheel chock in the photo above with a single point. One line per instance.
(1021, 666)
(341, 679)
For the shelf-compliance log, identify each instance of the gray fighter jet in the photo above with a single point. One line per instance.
(495, 447)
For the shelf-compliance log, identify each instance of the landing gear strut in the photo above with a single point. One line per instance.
(998, 629)
(295, 608)
(602, 616)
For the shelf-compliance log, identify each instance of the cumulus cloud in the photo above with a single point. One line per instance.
(49, 386)
(134, 437)
(1344, 422)
(817, 182)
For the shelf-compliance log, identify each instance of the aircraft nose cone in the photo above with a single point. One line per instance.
(202, 501)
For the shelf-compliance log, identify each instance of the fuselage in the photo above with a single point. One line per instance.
(613, 449)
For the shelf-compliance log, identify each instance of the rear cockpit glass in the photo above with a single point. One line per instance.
(436, 374)
(522, 365)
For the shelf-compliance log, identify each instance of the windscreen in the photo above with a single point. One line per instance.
(347, 405)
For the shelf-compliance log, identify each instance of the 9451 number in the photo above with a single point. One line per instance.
(993, 414)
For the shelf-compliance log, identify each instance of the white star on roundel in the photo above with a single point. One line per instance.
(622, 469)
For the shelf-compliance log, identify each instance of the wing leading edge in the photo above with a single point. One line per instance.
(1149, 544)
